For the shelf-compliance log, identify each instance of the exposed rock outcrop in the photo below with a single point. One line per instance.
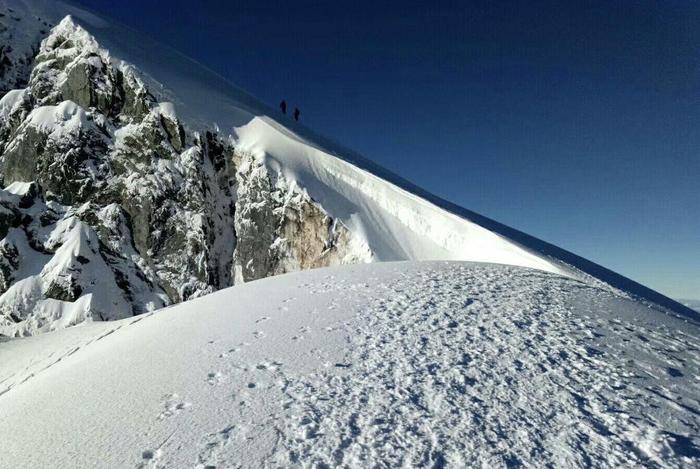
(114, 206)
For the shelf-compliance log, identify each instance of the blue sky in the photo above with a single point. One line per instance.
(576, 122)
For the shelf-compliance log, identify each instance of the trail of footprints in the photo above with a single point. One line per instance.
(244, 380)
(447, 368)
(452, 369)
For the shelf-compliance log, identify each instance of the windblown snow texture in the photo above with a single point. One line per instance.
(135, 178)
(430, 364)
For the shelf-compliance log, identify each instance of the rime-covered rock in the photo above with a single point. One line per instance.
(114, 207)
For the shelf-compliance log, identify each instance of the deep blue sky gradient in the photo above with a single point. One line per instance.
(576, 122)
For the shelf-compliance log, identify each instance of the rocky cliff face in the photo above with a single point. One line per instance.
(113, 206)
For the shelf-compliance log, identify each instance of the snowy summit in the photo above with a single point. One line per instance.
(146, 202)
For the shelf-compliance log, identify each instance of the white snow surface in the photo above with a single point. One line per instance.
(65, 117)
(10, 101)
(18, 188)
(392, 364)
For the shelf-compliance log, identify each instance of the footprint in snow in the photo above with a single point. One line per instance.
(149, 458)
(214, 377)
(302, 331)
(268, 366)
(152, 454)
(172, 405)
(212, 445)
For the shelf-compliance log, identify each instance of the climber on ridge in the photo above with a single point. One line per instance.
(296, 114)
(283, 106)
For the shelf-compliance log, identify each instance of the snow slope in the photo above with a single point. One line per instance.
(692, 304)
(396, 364)
(397, 224)
(395, 219)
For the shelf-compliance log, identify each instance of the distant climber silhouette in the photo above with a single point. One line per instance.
(297, 112)
(283, 106)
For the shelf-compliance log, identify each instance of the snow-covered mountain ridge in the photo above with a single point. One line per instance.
(136, 178)
(692, 304)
